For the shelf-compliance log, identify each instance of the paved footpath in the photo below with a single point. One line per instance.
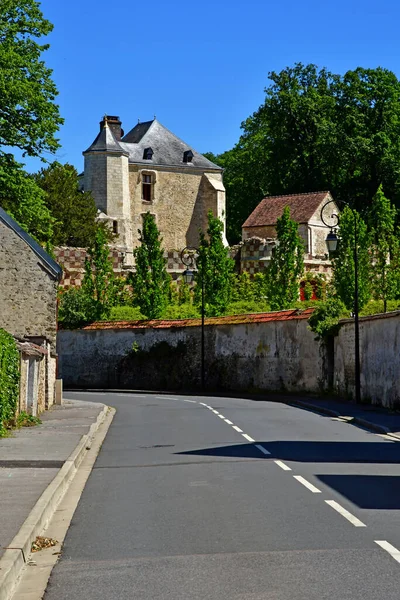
(227, 498)
(32, 457)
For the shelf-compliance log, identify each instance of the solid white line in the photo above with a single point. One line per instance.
(221, 417)
(172, 398)
(262, 449)
(307, 484)
(228, 421)
(250, 439)
(394, 553)
(345, 513)
(236, 428)
(282, 465)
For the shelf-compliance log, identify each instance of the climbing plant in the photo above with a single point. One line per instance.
(9, 379)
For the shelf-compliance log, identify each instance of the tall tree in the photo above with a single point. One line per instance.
(352, 229)
(215, 268)
(385, 248)
(317, 130)
(29, 118)
(287, 264)
(24, 200)
(150, 281)
(74, 211)
(99, 281)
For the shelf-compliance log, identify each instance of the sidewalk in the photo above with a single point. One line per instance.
(375, 418)
(32, 457)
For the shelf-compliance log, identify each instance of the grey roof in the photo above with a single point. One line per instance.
(168, 148)
(105, 142)
(47, 262)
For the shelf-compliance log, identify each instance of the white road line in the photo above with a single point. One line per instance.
(228, 421)
(307, 484)
(262, 449)
(215, 412)
(345, 513)
(236, 428)
(221, 417)
(282, 465)
(172, 398)
(206, 405)
(250, 439)
(394, 553)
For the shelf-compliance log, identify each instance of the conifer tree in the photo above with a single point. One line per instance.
(385, 248)
(99, 281)
(287, 264)
(150, 281)
(343, 263)
(214, 269)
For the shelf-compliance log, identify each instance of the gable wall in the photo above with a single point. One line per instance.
(27, 291)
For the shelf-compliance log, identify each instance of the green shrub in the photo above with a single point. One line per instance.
(247, 306)
(325, 319)
(125, 313)
(76, 309)
(9, 379)
(182, 311)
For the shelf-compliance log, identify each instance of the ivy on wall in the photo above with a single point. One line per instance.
(9, 379)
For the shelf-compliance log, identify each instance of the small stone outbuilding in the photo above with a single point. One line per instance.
(29, 280)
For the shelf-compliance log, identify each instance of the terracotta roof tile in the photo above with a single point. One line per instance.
(302, 208)
(283, 315)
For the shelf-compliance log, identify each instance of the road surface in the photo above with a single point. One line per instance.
(223, 498)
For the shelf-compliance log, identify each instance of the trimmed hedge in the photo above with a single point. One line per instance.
(9, 379)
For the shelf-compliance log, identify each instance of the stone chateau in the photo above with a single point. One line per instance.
(151, 170)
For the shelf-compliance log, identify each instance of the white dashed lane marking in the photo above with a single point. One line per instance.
(250, 439)
(282, 465)
(228, 421)
(394, 553)
(236, 428)
(263, 450)
(307, 484)
(345, 513)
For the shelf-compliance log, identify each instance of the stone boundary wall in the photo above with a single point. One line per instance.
(276, 355)
(379, 357)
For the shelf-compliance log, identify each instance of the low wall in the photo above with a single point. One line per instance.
(271, 355)
(379, 359)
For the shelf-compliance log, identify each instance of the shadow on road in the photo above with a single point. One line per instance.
(329, 452)
(378, 492)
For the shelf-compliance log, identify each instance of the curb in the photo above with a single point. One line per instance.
(353, 420)
(14, 557)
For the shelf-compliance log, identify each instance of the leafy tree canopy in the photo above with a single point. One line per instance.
(317, 131)
(29, 118)
(74, 211)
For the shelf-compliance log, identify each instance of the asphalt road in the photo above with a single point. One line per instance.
(244, 500)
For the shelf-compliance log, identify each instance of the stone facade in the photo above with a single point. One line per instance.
(181, 189)
(29, 280)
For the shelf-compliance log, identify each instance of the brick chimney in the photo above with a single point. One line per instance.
(114, 124)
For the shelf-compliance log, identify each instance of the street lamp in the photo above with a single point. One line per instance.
(189, 257)
(331, 242)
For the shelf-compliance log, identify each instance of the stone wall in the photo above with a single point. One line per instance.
(277, 353)
(27, 292)
(379, 357)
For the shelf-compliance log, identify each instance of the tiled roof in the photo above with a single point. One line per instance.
(302, 208)
(106, 142)
(283, 315)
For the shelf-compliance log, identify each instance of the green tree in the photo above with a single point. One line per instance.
(74, 211)
(385, 248)
(99, 283)
(287, 264)
(352, 224)
(214, 269)
(24, 200)
(150, 281)
(29, 118)
(316, 130)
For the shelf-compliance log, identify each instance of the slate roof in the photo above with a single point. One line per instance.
(282, 315)
(105, 142)
(167, 148)
(302, 208)
(47, 262)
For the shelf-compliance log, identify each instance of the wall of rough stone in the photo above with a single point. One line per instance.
(276, 355)
(379, 356)
(27, 292)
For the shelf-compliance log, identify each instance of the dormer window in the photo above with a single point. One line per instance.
(188, 156)
(148, 154)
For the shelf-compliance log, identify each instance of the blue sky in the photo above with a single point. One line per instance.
(200, 67)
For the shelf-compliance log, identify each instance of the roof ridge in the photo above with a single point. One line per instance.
(298, 194)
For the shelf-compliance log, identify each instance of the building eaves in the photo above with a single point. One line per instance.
(270, 209)
(47, 262)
